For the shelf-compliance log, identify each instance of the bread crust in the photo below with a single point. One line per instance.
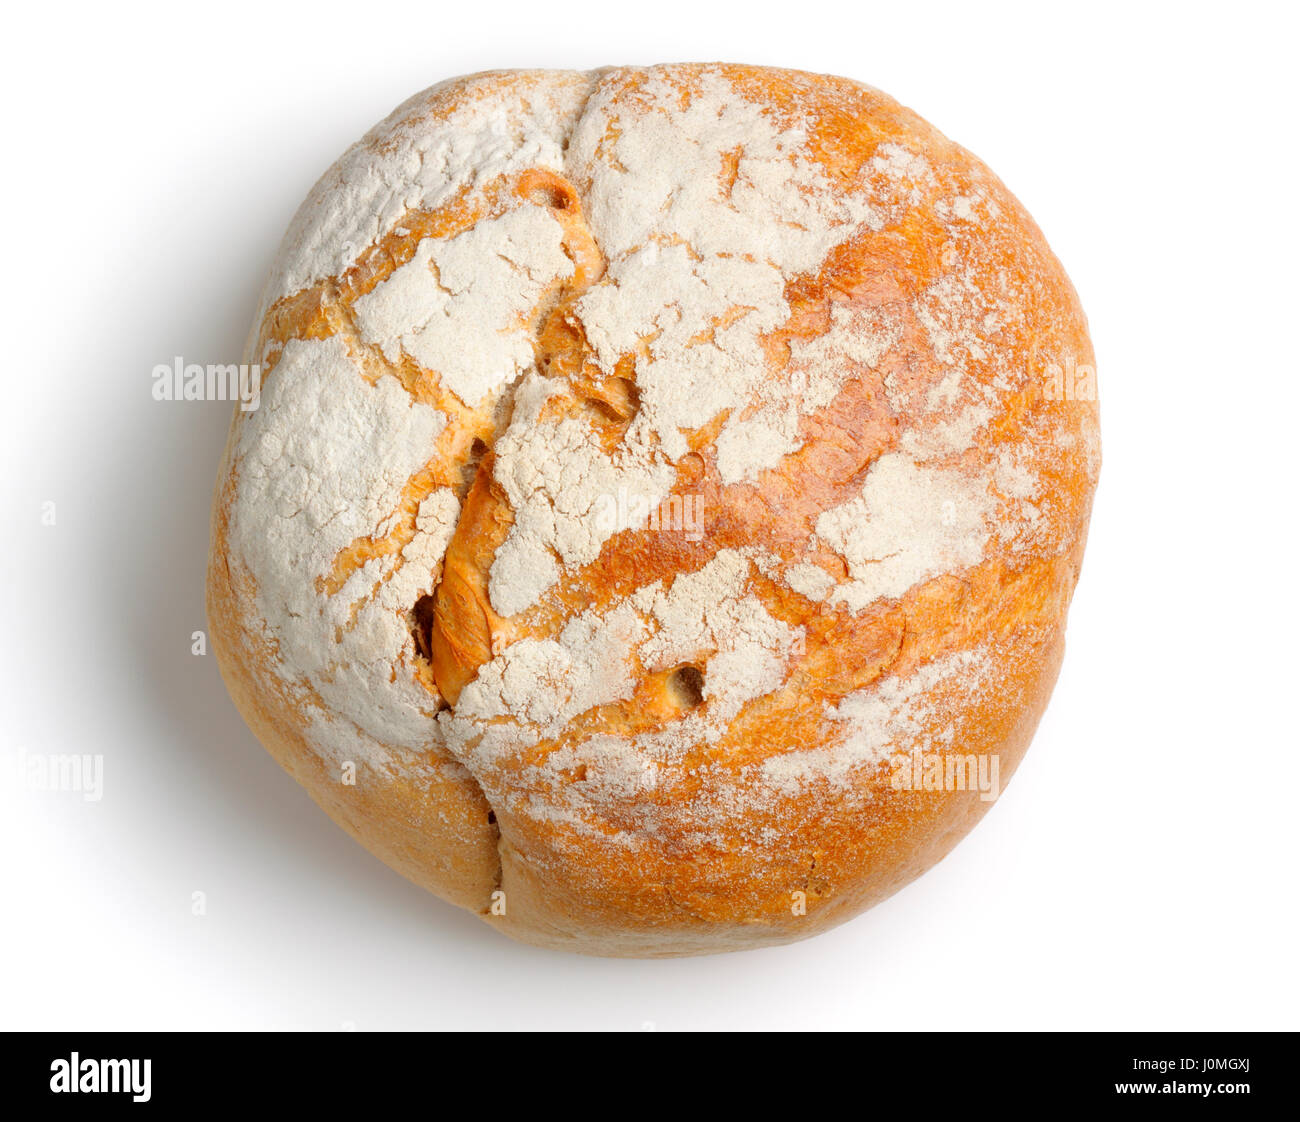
(633, 739)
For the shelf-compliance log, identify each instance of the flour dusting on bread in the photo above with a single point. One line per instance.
(460, 306)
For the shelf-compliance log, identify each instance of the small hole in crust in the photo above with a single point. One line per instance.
(618, 399)
(492, 817)
(686, 684)
(552, 197)
(469, 469)
(422, 626)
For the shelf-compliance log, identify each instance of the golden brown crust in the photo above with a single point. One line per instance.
(780, 816)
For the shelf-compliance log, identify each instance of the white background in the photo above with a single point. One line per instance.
(1140, 872)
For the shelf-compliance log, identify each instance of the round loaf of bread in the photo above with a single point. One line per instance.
(657, 525)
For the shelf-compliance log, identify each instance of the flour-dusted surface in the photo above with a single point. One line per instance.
(461, 305)
(647, 460)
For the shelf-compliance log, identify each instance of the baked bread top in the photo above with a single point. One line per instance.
(646, 458)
